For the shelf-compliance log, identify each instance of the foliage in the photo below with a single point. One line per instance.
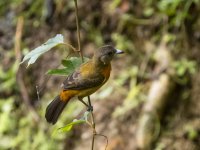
(7, 81)
(183, 68)
(134, 96)
(69, 66)
(69, 126)
(16, 124)
(37, 52)
(146, 20)
(191, 132)
(122, 42)
(13, 132)
(177, 9)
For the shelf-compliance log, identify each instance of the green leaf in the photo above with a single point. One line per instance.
(70, 65)
(33, 55)
(67, 63)
(74, 61)
(69, 126)
(148, 11)
(181, 71)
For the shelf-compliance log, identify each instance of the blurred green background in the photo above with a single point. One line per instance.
(141, 29)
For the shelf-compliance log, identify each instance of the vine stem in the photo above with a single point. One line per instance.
(78, 32)
(81, 55)
(93, 124)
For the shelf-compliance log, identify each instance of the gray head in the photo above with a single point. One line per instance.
(106, 53)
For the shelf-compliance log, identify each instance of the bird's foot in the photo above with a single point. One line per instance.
(90, 108)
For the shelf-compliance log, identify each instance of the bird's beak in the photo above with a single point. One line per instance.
(118, 51)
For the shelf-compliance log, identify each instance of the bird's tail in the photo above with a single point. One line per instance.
(54, 109)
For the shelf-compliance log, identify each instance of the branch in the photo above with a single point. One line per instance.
(81, 55)
(93, 124)
(105, 138)
(78, 32)
(69, 45)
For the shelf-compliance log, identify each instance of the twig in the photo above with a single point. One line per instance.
(81, 55)
(105, 138)
(25, 96)
(69, 45)
(18, 36)
(23, 89)
(93, 123)
(38, 92)
(78, 32)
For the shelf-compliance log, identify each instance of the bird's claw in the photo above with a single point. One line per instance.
(90, 108)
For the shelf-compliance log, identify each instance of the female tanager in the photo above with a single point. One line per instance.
(84, 81)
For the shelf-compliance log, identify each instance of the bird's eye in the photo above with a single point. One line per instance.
(110, 53)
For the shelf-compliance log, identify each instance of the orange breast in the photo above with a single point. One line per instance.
(106, 72)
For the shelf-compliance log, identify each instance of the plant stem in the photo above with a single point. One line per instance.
(69, 45)
(93, 124)
(78, 31)
(81, 55)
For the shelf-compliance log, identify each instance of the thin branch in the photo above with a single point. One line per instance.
(69, 45)
(93, 123)
(18, 36)
(81, 55)
(104, 137)
(78, 32)
(25, 96)
(38, 92)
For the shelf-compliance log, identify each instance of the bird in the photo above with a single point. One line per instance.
(84, 81)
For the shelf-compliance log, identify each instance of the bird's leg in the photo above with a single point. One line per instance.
(90, 108)
(83, 102)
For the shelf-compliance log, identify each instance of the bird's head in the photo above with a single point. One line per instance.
(106, 53)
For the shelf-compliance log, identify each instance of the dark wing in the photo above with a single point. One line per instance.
(76, 82)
